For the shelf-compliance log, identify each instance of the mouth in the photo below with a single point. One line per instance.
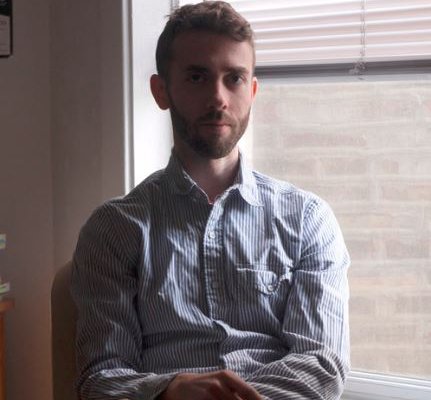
(215, 123)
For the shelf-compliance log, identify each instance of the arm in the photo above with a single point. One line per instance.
(104, 287)
(315, 326)
(219, 385)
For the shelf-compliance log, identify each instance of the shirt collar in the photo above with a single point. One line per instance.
(245, 182)
(178, 179)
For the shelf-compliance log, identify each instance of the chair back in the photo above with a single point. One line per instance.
(63, 323)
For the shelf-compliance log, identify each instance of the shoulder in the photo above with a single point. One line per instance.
(138, 200)
(285, 193)
(128, 212)
(119, 225)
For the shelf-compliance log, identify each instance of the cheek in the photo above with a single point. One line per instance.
(188, 106)
(243, 108)
(245, 98)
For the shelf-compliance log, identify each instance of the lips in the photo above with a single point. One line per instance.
(216, 127)
(215, 124)
(216, 119)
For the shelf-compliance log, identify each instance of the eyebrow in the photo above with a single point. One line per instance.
(198, 68)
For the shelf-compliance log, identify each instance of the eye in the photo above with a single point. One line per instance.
(196, 77)
(237, 79)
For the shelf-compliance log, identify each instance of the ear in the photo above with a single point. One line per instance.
(254, 86)
(159, 91)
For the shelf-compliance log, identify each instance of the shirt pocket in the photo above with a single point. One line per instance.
(262, 288)
(261, 278)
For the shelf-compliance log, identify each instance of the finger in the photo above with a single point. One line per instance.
(240, 387)
(206, 386)
(247, 393)
(222, 392)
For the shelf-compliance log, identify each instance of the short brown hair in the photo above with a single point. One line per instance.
(212, 16)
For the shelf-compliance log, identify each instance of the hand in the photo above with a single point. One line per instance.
(220, 385)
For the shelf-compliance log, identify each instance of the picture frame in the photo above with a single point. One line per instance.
(5, 28)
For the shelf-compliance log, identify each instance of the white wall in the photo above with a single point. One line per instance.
(87, 113)
(26, 200)
(152, 129)
(61, 154)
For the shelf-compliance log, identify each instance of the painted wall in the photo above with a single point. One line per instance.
(26, 200)
(87, 114)
(61, 154)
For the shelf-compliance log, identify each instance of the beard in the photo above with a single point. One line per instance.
(208, 146)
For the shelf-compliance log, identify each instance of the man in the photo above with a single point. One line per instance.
(209, 280)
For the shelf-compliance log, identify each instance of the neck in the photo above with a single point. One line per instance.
(212, 176)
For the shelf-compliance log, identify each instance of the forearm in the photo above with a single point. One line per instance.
(109, 339)
(218, 385)
(316, 324)
(122, 383)
(316, 374)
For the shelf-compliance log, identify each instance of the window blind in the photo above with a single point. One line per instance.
(310, 32)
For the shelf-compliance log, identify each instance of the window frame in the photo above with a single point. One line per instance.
(374, 386)
(405, 68)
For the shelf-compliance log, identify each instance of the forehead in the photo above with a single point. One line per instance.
(211, 51)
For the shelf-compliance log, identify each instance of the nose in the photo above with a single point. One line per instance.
(217, 96)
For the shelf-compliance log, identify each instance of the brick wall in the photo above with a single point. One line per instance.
(365, 147)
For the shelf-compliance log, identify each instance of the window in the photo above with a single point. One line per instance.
(337, 32)
(344, 110)
(366, 148)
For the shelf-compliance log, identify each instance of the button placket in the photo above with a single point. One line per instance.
(212, 261)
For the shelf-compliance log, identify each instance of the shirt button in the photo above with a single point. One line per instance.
(211, 234)
(270, 288)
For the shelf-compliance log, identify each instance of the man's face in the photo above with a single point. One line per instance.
(210, 91)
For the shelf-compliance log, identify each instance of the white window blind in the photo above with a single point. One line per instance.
(310, 32)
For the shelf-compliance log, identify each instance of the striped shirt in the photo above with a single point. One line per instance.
(255, 283)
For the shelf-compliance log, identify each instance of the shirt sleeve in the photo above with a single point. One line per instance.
(315, 326)
(104, 287)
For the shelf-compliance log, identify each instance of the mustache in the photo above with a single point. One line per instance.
(216, 116)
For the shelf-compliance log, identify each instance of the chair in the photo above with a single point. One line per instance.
(63, 323)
